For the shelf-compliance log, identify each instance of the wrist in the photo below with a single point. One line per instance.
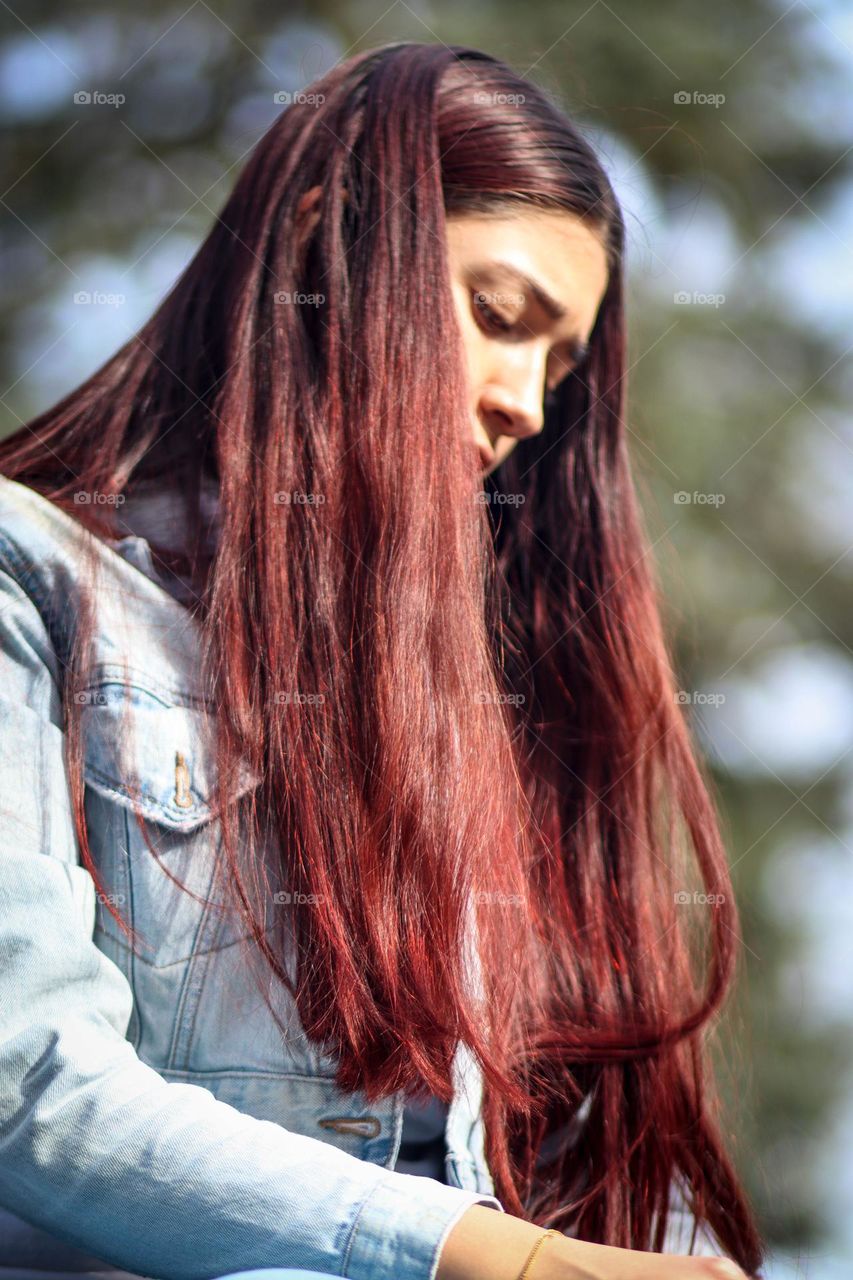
(492, 1246)
(541, 1243)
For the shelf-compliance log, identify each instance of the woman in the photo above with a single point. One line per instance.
(330, 639)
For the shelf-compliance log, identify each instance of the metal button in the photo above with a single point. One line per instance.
(183, 797)
(362, 1126)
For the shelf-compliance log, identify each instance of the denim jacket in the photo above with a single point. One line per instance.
(150, 1115)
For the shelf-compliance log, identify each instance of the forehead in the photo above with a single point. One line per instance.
(556, 249)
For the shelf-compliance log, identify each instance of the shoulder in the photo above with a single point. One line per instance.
(141, 703)
(44, 553)
(51, 559)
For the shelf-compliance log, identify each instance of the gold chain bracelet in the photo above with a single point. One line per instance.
(538, 1245)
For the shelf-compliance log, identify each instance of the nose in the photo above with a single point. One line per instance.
(512, 403)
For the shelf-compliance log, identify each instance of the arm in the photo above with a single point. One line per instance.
(481, 1247)
(95, 1146)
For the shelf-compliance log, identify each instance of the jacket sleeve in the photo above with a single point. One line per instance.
(97, 1148)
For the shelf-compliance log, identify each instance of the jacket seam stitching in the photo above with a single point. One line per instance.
(356, 1225)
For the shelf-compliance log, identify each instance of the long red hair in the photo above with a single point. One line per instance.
(491, 735)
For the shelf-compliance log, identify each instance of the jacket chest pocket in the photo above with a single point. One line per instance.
(145, 749)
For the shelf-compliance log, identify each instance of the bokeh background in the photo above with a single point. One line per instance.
(727, 129)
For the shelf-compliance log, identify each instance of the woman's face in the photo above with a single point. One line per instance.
(527, 289)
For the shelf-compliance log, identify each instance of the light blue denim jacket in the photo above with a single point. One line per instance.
(150, 1115)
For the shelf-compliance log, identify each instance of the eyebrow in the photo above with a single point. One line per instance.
(549, 304)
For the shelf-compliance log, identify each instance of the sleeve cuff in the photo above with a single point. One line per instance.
(403, 1224)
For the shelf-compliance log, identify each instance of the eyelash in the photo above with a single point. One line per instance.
(489, 318)
(492, 322)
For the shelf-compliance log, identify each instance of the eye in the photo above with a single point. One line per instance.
(488, 317)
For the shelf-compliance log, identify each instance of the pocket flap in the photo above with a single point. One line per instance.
(139, 736)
